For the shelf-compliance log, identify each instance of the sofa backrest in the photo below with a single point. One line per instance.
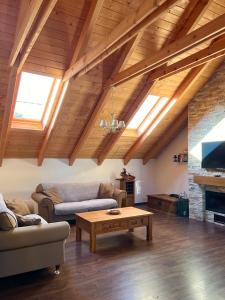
(72, 192)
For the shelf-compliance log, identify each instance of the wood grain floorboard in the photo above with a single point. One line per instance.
(185, 261)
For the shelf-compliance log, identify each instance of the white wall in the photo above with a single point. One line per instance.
(172, 177)
(19, 177)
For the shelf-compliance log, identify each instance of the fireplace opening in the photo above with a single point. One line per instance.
(215, 201)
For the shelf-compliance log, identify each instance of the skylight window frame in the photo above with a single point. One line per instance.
(31, 124)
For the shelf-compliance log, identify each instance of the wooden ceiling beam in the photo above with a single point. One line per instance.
(167, 136)
(193, 12)
(145, 15)
(10, 102)
(126, 52)
(215, 50)
(210, 31)
(188, 80)
(90, 20)
(39, 23)
(27, 19)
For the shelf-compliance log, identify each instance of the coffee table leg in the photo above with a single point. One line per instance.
(92, 241)
(78, 233)
(149, 229)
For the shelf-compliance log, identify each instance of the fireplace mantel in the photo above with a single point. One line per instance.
(210, 180)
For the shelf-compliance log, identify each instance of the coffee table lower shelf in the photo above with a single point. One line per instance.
(100, 222)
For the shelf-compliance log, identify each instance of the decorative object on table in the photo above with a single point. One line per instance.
(113, 211)
(126, 175)
(181, 157)
(113, 125)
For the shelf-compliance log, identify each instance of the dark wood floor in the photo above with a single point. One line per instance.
(185, 261)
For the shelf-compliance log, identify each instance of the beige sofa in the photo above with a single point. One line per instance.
(25, 249)
(77, 197)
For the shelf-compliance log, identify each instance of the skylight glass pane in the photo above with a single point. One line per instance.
(141, 114)
(160, 104)
(32, 96)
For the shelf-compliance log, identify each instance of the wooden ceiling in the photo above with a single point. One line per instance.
(168, 48)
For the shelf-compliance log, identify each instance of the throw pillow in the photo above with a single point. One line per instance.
(27, 220)
(106, 190)
(18, 206)
(53, 195)
(7, 220)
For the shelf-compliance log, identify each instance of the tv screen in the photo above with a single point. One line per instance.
(213, 155)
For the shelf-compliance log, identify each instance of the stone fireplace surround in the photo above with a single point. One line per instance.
(206, 122)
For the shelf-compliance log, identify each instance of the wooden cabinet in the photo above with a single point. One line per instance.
(163, 202)
(129, 187)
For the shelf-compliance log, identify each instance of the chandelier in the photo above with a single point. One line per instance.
(113, 125)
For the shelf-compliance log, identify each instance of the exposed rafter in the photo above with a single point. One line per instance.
(170, 133)
(183, 27)
(40, 21)
(87, 27)
(207, 32)
(14, 78)
(29, 11)
(124, 56)
(215, 50)
(188, 80)
(145, 15)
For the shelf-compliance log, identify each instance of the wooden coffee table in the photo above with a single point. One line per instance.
(98, 222)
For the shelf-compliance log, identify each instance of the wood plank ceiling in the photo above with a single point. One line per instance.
(97, 40)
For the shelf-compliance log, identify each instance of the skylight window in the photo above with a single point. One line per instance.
(153, 113)
(35, 97)
(143, 111)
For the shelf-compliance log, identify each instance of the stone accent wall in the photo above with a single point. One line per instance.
(206, 122)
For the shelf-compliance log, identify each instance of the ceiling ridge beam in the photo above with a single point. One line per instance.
(182, 28)
(127, 51)
(210, 31)
(167, 136)
(90, 20)
(141, 18)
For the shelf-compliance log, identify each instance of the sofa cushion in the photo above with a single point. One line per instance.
(7, 218)
(28, 220)
(18, 206)
(72, 192)
(83, 206)
(98, 204)
(68, 208)
(106, 190)
(53, 195)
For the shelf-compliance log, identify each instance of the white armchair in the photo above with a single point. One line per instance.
(25, 249)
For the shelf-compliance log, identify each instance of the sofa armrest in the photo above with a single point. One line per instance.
(29, 236)
(119, 195)
(45, 206)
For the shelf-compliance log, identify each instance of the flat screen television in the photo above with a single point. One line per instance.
(213, 155)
